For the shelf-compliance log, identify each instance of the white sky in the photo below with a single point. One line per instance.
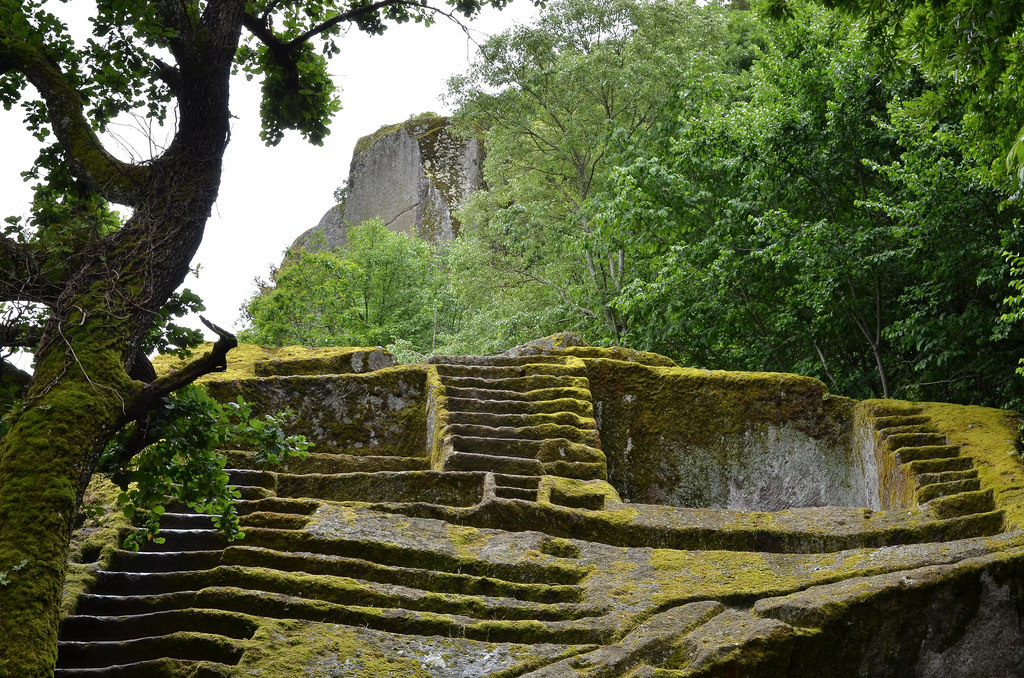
(269, 196)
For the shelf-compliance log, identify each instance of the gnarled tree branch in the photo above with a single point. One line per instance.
(115, 180)
(213, 361)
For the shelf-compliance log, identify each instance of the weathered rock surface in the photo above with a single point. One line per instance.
(565, 510)
(412, 175)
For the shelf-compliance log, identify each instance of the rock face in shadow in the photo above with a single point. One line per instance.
(412, 175)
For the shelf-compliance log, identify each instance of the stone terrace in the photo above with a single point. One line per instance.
(564, 510)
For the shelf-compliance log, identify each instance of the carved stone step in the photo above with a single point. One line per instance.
(899, 420)
(583, 408)
(243, 477)
(494, 360)
(169, 561)
(520, 420)
(485, 584)
(153, 668)
(923, 479)
(280, 521)
(962, 504)
(93, 627)
(348, 463)
(501, 372)
(185, 521)
(907, 454)
(469, 461)
(490, 393)
(537, 433)
(207, 647)
(940, 465)
(188, 540)
(515, 493)
(545, 450)
(885, 433)
(526, 482)
(517, 384)
(898, 440)
(929, 492)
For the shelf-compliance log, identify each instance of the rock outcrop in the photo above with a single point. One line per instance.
(412, 175)
(565, 510)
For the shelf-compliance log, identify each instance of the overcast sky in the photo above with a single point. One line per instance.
(269, 196)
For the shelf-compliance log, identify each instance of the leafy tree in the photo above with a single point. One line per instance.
(380, 287)
(823, 221)
(972, 51)
(552, 100)
(102, 285)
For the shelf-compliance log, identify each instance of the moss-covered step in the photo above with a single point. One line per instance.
(526, 488)
(181, 645)
(333, 463)
(518, 419)
(926, 493)
(506, 371)
(426, 579)
(516, 384)
(495, 361)
(542, 449)
(581, 408)
(155, 668)
(492, 462)
(139, 594)
(218, 622)
(538, 394)
(443, 488)
(538, 432)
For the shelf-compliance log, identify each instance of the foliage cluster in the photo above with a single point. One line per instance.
(182, 460)
(381, 288)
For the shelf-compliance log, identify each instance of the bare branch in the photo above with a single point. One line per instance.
(212, 361)
(21, 274)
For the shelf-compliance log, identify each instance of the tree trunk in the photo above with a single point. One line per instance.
(46, 460)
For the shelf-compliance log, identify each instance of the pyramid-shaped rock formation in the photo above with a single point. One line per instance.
(568, 510)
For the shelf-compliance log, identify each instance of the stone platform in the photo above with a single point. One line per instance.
(565, 510)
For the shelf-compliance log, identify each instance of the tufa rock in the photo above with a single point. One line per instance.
(412, 175)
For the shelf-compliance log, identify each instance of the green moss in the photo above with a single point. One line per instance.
(587, 494)
(986, 435)
(467, 541)
(559, 548)
(250, 360)
(420, 125)
(283, 648)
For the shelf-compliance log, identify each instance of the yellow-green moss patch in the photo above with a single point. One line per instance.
(987, 435)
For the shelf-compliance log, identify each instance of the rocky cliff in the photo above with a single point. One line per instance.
(413, 175)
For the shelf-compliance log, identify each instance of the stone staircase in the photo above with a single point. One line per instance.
(929, 471)
(519, 418)
(190, 604)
